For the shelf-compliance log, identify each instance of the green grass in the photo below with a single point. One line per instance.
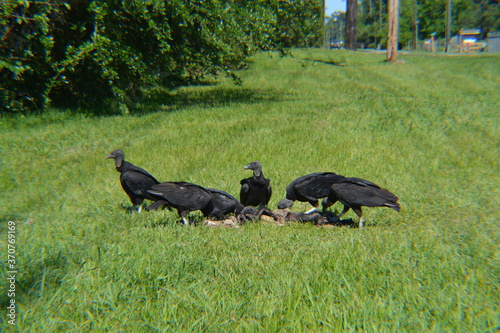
(426, 129)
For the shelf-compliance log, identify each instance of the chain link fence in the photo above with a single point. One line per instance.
(490, 45)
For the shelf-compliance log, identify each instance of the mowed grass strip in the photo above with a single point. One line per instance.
(426, 129)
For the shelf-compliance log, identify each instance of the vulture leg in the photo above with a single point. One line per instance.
(311, 210)
(358, 212)
(326, 204)
(137, 204)
(346, 208)
(313, 203)
(183, 216)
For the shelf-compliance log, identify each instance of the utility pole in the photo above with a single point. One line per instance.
(415, 25)
(351, 25)
(322, 40)
(392, 42)
(448, 25)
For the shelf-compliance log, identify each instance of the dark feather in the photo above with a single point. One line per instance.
(360, 192)
(134, 180)
(223, 204)
(312, 187)
(256, 190)
(356, 192)
(183, 196)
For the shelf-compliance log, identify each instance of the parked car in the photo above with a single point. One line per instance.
(336, 44)
(468, 41)
(472, 45)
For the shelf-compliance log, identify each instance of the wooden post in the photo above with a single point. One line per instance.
(392, 42)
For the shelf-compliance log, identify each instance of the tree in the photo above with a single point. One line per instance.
(431, 18)
(80, 53)
(392, 44)
(335, 26)
(351, 25)
(299, 23)
(373, 23)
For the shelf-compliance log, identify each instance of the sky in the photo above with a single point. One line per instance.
(335, 5)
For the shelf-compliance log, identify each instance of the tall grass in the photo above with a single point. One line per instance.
(426, 129)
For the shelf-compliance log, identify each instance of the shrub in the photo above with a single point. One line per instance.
(83, 53)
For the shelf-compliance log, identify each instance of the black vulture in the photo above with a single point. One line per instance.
(310, 188)
(356, 192)
(184, 197)
(135, 181)
(223, 204)
(256, 190)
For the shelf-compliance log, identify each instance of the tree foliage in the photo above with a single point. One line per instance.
(82, 53)
(483, 14)
(372, 24)
(299, 23)
(335, 26)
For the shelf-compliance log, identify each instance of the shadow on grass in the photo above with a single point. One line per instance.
(165, 223)
(326, 62)
(158, 98)
(195, 219)
(331, 219)
(341, 223)
(155, 99)
(34, 279)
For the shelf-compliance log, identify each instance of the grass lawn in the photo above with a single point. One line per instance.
(427, 129)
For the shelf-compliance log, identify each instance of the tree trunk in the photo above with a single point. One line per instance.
(392, 42)
(351, 25)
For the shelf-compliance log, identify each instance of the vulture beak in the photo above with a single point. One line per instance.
(110, 156)
(247, 167)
